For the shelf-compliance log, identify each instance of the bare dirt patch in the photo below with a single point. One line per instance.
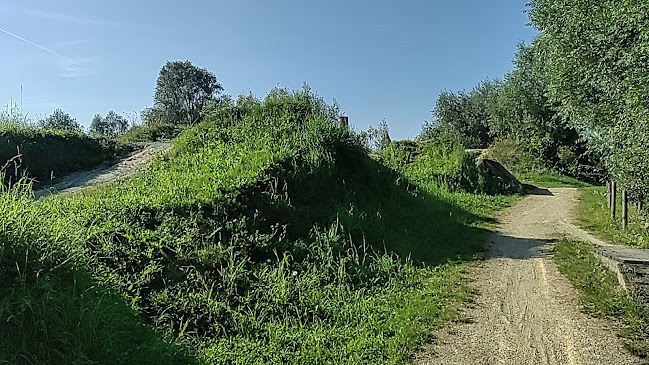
(525, 311)
(106, 173)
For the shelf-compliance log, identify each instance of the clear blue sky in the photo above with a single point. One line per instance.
(378, 59)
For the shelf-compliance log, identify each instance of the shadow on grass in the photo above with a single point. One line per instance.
(55, 314)
(374, 205)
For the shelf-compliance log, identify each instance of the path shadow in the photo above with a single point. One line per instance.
(540, 191)
(503, 246)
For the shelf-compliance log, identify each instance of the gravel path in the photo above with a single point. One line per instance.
(106, 173)
(526, 312)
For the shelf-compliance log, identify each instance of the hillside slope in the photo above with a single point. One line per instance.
(47, 154)
(266, 235)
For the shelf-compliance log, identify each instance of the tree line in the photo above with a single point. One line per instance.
(577, 100)
(182, 91)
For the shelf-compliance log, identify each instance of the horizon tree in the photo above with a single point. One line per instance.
(182, 90)
(60, 120)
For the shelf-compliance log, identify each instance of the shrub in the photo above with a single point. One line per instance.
(42, 154)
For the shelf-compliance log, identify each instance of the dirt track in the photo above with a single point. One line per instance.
(106, 173)
(525, 311)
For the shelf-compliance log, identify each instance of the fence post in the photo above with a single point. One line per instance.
(608, 193)
(613, 198)
(625, 209)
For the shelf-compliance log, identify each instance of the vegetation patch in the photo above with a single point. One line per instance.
(601, 294)
(266, 235)
(47, 154)
(442, 163)
(594, 214)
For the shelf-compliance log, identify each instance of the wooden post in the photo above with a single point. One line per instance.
(625, 209)
(613, 198)
(608, 193)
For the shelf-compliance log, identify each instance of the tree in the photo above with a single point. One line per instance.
(182, 90)
(384, 139)
(60, 120)
(522, 112)
(378, 139)
(595, 55)
(112, 126)
(464, 116)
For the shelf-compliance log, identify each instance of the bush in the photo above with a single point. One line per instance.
(151, 133)
(444, 162)
(43, 154)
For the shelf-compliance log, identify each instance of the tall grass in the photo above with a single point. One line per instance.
(269, 237)
(601, 294)
(594, 214)
(45, 154)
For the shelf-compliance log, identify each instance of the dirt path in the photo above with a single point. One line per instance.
(106, 173)
(526, 312)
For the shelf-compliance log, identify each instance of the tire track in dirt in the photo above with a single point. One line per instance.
(525, 311)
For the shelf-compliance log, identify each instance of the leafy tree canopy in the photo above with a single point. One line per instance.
(464, 115)
(60, 120)
(112, 126)
(595, 55)
(182, 90)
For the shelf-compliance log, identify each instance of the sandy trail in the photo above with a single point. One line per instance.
(106, 173)
(526, 312)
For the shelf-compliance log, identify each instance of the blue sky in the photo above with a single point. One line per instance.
(378, 59)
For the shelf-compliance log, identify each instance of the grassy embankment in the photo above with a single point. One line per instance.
(45, 154)
(593, 214)
(528, 169)
(601, 294)
(269, 238)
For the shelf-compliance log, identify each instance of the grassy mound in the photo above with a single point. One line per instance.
(530, 169)
(443, 164)
(265, 236)
(44, 154)
(601, 294)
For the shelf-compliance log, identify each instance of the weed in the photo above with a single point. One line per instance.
(593, 213)
(601, 294)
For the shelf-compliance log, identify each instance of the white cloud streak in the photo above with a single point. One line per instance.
(73, 68)
(77, 70)
(71, 43)
(37, 45)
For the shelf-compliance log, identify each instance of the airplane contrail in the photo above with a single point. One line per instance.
(39, 46)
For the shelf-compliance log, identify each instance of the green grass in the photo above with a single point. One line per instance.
(151, 133)
(45, 154)
(593, 214)
(548, 179)
(530, 169)
(269, 238)
(601, 294)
